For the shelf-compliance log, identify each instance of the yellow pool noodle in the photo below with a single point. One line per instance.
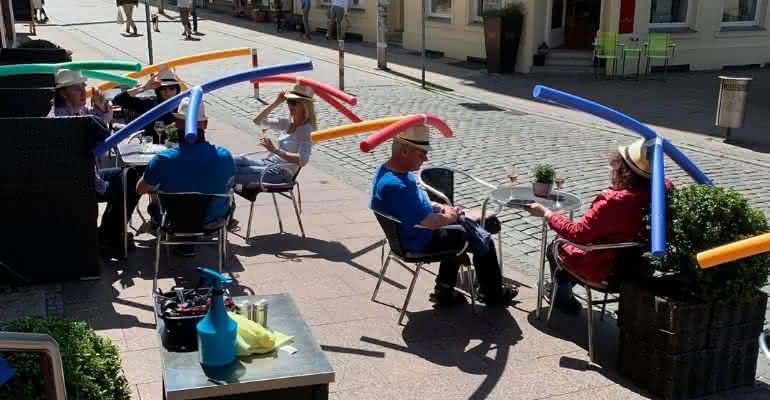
(353, 129)
(175, 62)
(734, 251)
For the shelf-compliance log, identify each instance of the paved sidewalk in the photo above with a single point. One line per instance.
(331, 273)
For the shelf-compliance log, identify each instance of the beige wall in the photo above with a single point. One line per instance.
(705, 46)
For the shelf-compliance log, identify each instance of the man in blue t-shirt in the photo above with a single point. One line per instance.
(192, 167)
(395, 193)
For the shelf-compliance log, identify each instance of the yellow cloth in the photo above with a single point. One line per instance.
(253, 338)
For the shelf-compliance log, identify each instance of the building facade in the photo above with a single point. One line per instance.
(709, 34)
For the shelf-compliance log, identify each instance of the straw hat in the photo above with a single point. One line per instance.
(637, 157)
(416, 137)
(68, 77)
(300, 92)
(184, 105)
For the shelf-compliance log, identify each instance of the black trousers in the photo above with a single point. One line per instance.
(113, 224)
(486, 265)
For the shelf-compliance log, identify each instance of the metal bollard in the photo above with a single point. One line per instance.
(341, 48)
(731, 104)
(254, 64)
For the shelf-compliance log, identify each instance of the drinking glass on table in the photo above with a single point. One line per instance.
(513, 175)
(559, 181)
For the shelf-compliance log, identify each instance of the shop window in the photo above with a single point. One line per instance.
(669, 12)
(439, 8)
(740, 12)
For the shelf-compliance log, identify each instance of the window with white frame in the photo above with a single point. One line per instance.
(353, 3)
(740, 12)
(439, 8)
(477, 8)
(669, 12)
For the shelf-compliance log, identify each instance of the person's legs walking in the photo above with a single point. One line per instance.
(306, 21)
(128, 11)
(339, 15)
(329, 22)
(194, 17)
(184, 13)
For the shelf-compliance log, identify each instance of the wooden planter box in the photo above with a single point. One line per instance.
(679, 349)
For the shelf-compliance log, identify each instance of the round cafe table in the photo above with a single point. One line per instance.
(520, 197)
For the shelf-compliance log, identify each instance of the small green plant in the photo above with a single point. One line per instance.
(91, 363)
(543, 173)
(172, 134)
(701, 217)
(511, 10)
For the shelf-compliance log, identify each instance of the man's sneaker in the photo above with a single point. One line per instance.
(505, 298)
(446, 297)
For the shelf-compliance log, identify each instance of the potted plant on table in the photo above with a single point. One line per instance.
(543, 175)
(502, 33)
(91, 363)
(172, 135)
(689, 331)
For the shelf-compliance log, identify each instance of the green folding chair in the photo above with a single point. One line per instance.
(657, 48)
(606, 48)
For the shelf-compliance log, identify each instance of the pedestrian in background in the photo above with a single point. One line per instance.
(306, 17)
(278, 4)
(185, 8)
(195, 17)
(337, 13)
(38, 12)
(128, 11)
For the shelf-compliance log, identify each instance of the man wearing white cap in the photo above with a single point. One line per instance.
(70, 100)
(395, 192)
(191, 167)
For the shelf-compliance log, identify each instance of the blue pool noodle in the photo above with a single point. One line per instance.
(168, 105)
(658, 208)
(191, 122)
(688, 166)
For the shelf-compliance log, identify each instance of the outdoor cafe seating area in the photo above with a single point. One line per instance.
(50, 236)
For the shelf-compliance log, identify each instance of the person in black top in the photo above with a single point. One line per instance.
(165, 86)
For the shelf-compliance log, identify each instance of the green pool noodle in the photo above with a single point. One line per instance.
(106, 76)
(110, 65)
(24, 69)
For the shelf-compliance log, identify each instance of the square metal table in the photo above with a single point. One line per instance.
(305, 374)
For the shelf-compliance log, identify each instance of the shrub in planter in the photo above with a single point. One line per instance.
(91, 363)
(690, 331)
(543, 176)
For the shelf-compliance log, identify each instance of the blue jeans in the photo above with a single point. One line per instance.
(250, 171)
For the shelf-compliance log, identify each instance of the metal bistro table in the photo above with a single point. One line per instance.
(519, 197)
(305, 374)
(138, 154)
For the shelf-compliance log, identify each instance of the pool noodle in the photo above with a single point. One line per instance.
(352, 100)
(389, 131)
(338, 106)
(106, 76)
(191, 124)
(352, 129)
(658, 207)
(734, 251)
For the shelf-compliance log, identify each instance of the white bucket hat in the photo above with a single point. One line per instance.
(184, 105)
(300, 92)
(68, 77)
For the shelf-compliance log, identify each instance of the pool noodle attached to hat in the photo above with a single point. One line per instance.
(23, 69)
(394, 129)
(191, 120)
(106, 76)
(352, 129)
(168, 105)
(316, 85)
(658, 234)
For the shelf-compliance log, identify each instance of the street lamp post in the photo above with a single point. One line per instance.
(149, 29)
(382, 34)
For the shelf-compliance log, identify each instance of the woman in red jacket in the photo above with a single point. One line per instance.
(616, 215)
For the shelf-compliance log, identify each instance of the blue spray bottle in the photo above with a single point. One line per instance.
(216, 331)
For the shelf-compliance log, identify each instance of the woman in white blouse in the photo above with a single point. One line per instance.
(294, 145)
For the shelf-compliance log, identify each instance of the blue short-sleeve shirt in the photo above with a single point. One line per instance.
(194, 167)
(398, 195)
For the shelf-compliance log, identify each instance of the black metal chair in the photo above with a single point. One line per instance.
(285, 189)
(390, 226)
(611, 286)
(183, 222)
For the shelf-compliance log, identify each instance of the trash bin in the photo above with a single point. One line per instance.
(732, 102)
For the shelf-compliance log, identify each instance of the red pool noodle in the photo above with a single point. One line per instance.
(338, 106)
(318, 86)
(389, 131)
